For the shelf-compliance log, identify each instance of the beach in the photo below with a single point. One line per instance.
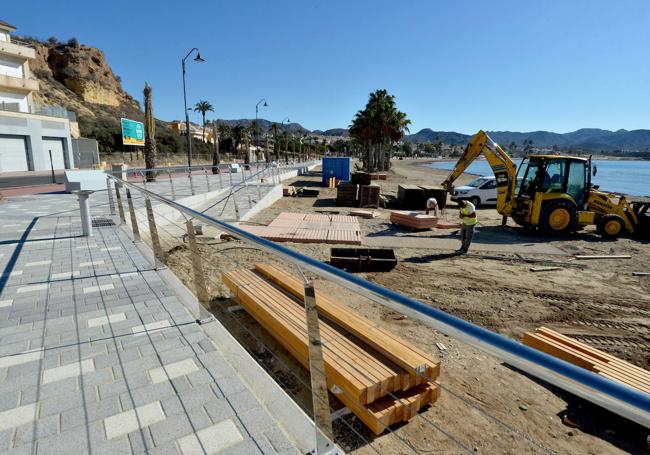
(598, 302)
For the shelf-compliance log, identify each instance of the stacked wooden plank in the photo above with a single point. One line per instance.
(364, 213)
(378, 176)
(413, 220)
(369, 195)
(592, 359)
(444, 224)
(310, 228)
(378, 376)
(347, 195)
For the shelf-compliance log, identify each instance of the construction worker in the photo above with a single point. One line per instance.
(432, 204)
(467, 214)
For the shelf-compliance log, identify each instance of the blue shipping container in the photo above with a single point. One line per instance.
(338, 167)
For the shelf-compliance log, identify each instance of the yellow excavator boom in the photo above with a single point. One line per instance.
(504, 168)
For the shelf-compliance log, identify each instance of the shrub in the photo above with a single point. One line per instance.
(73, 42)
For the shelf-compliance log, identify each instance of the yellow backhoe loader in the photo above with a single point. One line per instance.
(552, 193)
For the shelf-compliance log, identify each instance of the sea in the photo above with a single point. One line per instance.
(631, 177)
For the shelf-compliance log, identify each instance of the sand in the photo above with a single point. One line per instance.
(486, 406)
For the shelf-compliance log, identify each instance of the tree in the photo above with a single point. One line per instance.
(275, 128)
(225, 132)
(216, 158)
(379, 125)
(528, 146)
(149, 134)
(203, 107)
(239, 135)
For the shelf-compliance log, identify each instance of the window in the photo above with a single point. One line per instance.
(526, 177)
(489, 185)
(576, 182)
(555, 176)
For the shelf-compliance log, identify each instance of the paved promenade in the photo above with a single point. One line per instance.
(98, 354)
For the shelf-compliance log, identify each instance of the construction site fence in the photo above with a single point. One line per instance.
(155, 217)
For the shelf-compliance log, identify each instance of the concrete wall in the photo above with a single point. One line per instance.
(34, 128)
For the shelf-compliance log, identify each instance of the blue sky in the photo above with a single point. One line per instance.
(459, 66)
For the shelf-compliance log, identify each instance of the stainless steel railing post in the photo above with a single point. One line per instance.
(230, 175)
(197, 266)
(191, 182)
(111, 201)
(207, 179)
(320, 400)
(171, 184)
(134, 220)
(120, 205)
(153, 232)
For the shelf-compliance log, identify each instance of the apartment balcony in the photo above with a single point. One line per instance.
(45, 110)
(17, 84)
(17, 49)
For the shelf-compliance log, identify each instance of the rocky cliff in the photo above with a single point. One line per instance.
(79, 78)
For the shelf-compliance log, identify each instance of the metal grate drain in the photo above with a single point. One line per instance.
(102, 222)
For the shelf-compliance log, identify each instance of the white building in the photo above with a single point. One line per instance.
(29, 133)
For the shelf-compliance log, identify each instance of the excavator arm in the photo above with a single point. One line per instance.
(503, 167)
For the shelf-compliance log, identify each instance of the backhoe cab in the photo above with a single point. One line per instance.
(552, 193)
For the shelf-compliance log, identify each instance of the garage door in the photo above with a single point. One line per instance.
(56, 146)
(13, 154)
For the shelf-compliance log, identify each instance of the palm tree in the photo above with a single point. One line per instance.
(379, 126)
(149, 134)
(203, 107)
(216, 158)
(239, 135)
(225, 132)
(275, 128)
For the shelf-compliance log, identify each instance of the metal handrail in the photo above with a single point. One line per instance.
(618, 398)
(204, 166)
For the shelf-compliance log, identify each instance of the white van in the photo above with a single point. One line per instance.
(482, 190)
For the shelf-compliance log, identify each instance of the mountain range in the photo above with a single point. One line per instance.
(593, 139)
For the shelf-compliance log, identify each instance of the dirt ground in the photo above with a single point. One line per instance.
(485, 406)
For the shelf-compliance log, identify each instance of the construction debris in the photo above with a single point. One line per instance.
(640, 273)
(364, 213)
(592, 359)
(363, 259)
(413, 220)
(544, 269)
(599, 256)
(383, 379)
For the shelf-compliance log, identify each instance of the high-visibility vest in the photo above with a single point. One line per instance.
(468, 209)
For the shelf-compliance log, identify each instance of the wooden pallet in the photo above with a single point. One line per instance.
(310, 228)
(587, 357)
(364, 213)
(413, 220)
(377, 389)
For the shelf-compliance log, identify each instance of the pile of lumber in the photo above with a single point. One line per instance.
(413, 220)
(592, 359)
(347, 195)
(364, 213)
(381, 378)
(369, 196)
(310, 228)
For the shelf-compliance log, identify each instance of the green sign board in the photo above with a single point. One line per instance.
(132, 132)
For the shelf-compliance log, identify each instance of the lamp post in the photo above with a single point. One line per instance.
(286, 143)
(257, 106)
(197, 59)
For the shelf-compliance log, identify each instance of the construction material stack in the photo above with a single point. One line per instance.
(592, 359)
(381, 378)
(413, 220)
(369, 196)
(347, 195)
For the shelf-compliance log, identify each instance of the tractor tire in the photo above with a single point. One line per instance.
(610, 226)
(558, 217)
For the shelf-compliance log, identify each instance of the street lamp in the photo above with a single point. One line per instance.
(257, 106)
(197, 59)
(286, 143)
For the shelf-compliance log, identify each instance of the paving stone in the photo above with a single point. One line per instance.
(128, 421)
(36, 430)
(172, 370)
(17, 416)
(221, 436)
(257, 420)
(170, 429)
(67, 371)
(219, 409)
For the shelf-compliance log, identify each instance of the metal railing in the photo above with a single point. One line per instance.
(40, 109)
(622, 400)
